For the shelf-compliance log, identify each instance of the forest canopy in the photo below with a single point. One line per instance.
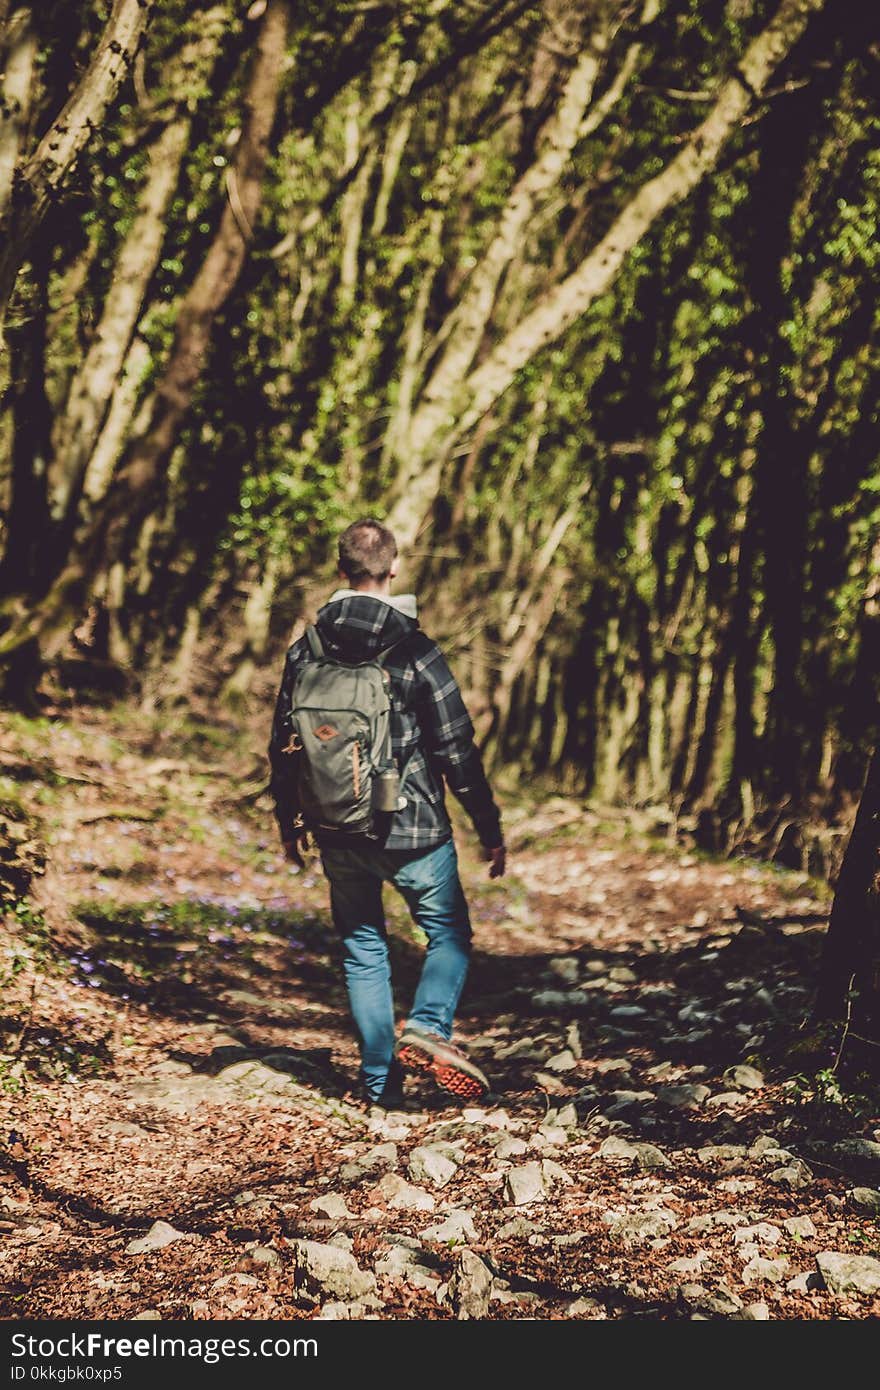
(580, 298)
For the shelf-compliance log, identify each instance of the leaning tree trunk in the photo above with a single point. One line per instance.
(28, 189)
(106, 541)
(850, 973)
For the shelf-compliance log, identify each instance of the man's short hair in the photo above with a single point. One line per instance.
(367, 550)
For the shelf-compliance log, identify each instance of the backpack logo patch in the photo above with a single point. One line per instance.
(325, 732)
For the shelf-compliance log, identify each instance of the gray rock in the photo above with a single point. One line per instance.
(339, 1311)
(690, 1265)
(559, 1000)
(794, 1175)
(622, 975)
(550, 1135)
(844, 1273)
(555, 1175)
(612, 1064)
(744, 1078)
(756, 1312)
(863, 1153)
(585, 1308)
(763, 1144)
(567, 1117)
(801, 1282)
(865, 1199)
(264, 1255)
(157, 1237)
(402, 1195)
(525, 1184)
(718, 1302)
(510, 1147)
(236, 1280)
(518, 1229)
(621, 1101)
(685, 1097)
(330, 1205)
(639, 1227)
(458, 1226)
(759, 1269)
(327, 1270)
(428, 1164)
(569, 1238)
(705, 1222)
(564, 968)
(800, 1226)
(760, 1234)
(470, 1288)
(561, 1061)
(148, 1315)
(726, 1100)
(381, 1156)
(722, 1155)
(407, 1261)
(646, 1156)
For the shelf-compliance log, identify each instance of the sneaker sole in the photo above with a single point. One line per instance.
(448, 1077)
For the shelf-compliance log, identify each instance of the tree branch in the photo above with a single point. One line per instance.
(571, 298)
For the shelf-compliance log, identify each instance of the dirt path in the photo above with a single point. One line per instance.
(177, 1050)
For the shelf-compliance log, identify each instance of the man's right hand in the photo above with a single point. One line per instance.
(293, 852)
(497, 861)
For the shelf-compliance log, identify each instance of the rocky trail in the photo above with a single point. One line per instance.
(180, 1135)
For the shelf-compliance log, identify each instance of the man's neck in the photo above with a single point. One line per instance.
(379, 590)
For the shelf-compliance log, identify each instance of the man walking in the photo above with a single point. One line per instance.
(411, 846)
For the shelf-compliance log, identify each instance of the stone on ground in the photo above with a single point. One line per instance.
(330, 1205)
(157, 1237)
(843, 1273)
(865, 1199)
(639, 1227)
(459, 1225)
(646, 1156)
(525, 1184)
(799, 1226)
(327, 1270)
(402, 1195)
(760, 1270)
(470, 1288)
(428, 1164)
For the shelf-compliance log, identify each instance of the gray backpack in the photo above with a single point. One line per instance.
(341, 719)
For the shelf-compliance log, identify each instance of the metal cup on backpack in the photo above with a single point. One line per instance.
(386, 790)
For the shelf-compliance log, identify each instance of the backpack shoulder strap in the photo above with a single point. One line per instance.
(316, 646)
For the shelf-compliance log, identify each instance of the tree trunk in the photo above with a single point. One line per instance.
(34, 184)
(851, 962)
(93, 387)
(17, 53)
(111, 536)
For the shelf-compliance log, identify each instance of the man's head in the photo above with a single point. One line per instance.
(368, 554)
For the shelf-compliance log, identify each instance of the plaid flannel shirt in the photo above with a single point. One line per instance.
(431, 731)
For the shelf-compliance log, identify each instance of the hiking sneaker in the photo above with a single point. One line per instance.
(451, 1068)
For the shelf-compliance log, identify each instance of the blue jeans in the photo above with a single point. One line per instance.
(429, 883)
